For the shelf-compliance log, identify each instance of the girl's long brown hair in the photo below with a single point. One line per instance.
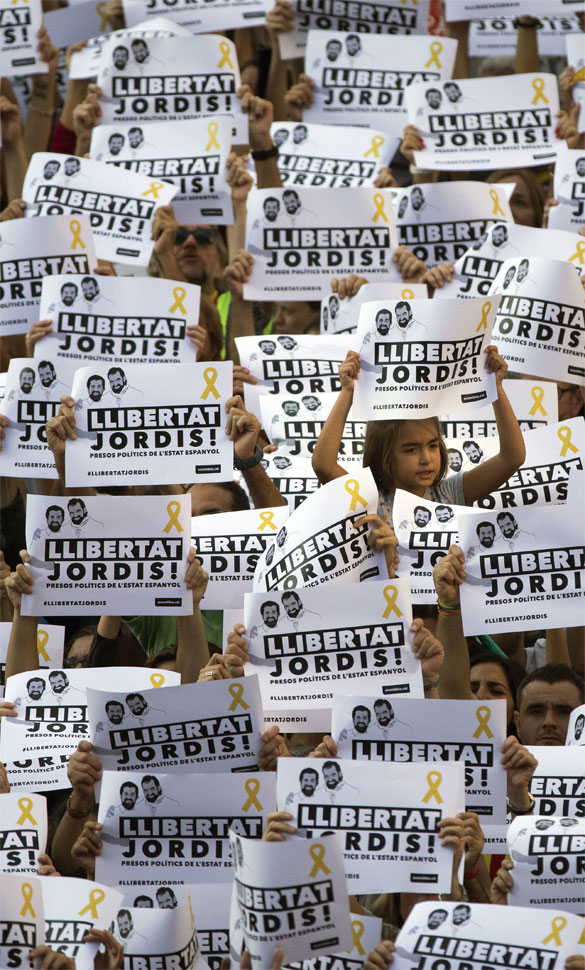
(380, 446)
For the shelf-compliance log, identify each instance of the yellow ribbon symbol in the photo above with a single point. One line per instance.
(252, 787)
(579, 253)
(558, 924)
(225, 50)
(391, 601)
(267, 520)
(483, 715)
(100, 10)
(42, 639)
(407, 295)
(96, 896)
(317, 853)
(564, 434)
(539, 95)
(357, 931)
(497, 207)
(210, 377)
(27, 895)
(537, 396)
(75, 227)
(379, 213)
(434, 779)
(377, 141)
(157, 680)
(212, 132)
(25, 804)
(154, 189)
(173, 508)
(482, 325)
(179, 294)
(436, 48)
(352, 487)
(237, 690)
(191, 912)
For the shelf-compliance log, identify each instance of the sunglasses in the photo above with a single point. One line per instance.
(203, 237)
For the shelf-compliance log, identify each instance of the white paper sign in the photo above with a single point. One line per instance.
(23, 832)
(389, 816)
(569, 191)
(72, 910)
(492, 122)
(470, 9)
(84, 18)
(576, 60)
(86, 62)
(414, 355)
(293, 476)
(290, 896)
(548, 862)
(522, 567)
(87, 552)
(158, 938)
(20, 21)
(297, 425)
(540, 322)
(489, 38)
(111, 318)
(211, 905)
(229, 545)
(341, 316)
(330, 156)
(300, 238)
(576, 729)
(24, 773)
(362, 79)
(320, 541)
(149, 820)
(120, 216)
(190, 155)
(200, 16)
(145, 417)
(535, 404)
(174, 79)
(365, 729)
(158, 729)
(366, 933)
(33, 251)
(558, 784)
(50, 639)
(32, 397)
(23, 921)
(309, 647)
(439, 221)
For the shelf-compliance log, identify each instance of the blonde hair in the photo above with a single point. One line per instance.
(380, 450)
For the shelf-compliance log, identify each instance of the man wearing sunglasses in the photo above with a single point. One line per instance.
(195, 254)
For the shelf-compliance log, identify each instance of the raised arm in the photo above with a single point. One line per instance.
(325, 463)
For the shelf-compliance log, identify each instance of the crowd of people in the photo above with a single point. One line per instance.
(539, 673)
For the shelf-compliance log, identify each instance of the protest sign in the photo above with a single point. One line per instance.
(298, 426)
(498, 37)
(22, 917)
(576, 729)
(157, 938)
(474, 936)
(72, 911)
(145, 417)
(365, 729)
(85, 18)
(229, 545)
(540, 321)
(23, 832)
(478, 268)
(548, 859)
(387, 817)
(20, 22)
(88, 552)
(521, 560)
(569, 191)
(366, 932)
(109, 318)
(341, 316)
(311, 233)
(52, 714)
(355, 84)
(321, 542)
(154, 78)
(558, 784)
(192, 156)
(492, 122)
(86, 62)
(121, 217)
(535, 404)
(289, 896)
(50, 639)
(310, 647)
(24, 773)
(576, 60)
(471, 9)
(33, 251)
(153, 822)
(293, 476)
(330, 155)
(200, 16)
(439, 221)
(416, 357)
(157, 728)
(32, 397)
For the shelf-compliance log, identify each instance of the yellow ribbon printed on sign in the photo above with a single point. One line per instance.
(558, 924)
(317, 853)
(101, 12)
(564, 434)
(482, 325)
(157, 680)
(377, 142)
(25, 805)
(75, 227)
(579, 253)
(210, 377)
(252, 787)
(27, 895)
(237, 692)
(352, 487)
(434, 779)
(407, 295)
(497, 209)
(537, 396)
(357, 931)
(225, 50)
(173, 509)
(391, 601)
(483, 715)
(539, 95)
(96, 897)
(379, 213)
(154, 189)
(266, 521)
(42, 640)
(435, 49)
(212, 130)
(179, 294)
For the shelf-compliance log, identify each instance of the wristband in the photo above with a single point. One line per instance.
(430, 684)
(521, 811)
(261, 156)
(76, 814)
(468, 876)
(243, 464)
(447, 609)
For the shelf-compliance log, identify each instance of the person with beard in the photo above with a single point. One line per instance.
(52, 388)
(154, 798)
(129, 800)
(116, 143)
(473, 451)
(309, 787)
(333, 49)
(512, 535)
(421, 515)
(166, 898)
(126, 931)
(69, 292)
(383, 321)
(140, 709)
(407, 326)
(295, 610)
(337, 788)
(361, 717)
(26, 379)
(62, 691)
(119, 386)
(55, 517)
(270, 612)
(92, 297)
(79, 517)
(455, 459)
(116, 713)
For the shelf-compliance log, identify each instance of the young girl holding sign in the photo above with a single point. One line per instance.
(412, 455)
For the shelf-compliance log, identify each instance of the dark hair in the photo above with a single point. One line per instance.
(514, 671)
(361, 708)
(553, 673)
(54, 508)
(331, 764)
(142, 899)
(240, 500)
(131, 697)
(150, 778)
(380, 445)
(309, 771)
(532, 184)
(128, 784)
(162, 656)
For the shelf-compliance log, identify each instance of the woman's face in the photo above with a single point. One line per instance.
(490, 683)
(520, 201)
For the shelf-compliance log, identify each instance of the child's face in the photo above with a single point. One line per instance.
(417, 457)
